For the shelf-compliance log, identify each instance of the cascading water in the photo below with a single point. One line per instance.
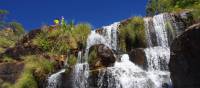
(160, 29)
(126, 74)
(95, 38)
(109, 38)
(54, 81)
(110, 34)
(158, 56)
(147, 22)
(81, 73)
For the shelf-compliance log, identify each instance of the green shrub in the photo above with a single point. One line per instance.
(92, 57)
(64, 38)
(33, 65)
(132, 35)
(81, 32)
(6, 85)
(17, 27)
(173, 6)
(26, 80)
(72, 60)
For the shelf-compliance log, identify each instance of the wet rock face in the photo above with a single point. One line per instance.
(106, 55)
(185, 59)
(9, 72)
(67, 79)
(101, 56)
(181, 21)
(137, 56)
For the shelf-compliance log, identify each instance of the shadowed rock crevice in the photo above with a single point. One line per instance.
(184, 61)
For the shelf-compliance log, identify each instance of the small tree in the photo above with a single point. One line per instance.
(17, 27)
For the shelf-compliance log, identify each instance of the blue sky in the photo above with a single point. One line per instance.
(34, 13)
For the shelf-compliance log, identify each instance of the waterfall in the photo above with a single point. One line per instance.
(148, 26)
(110, 34)
(158, 56)
(54, 81)
(81, 73)
(126, 74)
(160, 29)
(95, 38)
(108, 38)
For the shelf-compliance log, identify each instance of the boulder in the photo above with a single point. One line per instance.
(138, 56)
(101, 56)
(106, 55)
(185, 59)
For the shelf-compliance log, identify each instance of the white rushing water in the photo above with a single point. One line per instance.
(108, 38)
(158, 56)
(81, 73)
(148, 26)
(160, 29)
(95, 38)
(55, 79)
(126, 74)
(110, 34)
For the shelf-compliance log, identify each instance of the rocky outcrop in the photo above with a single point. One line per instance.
(185, 59)
(106, 55)
(10, 71)
(101, 55)
(67, 79)
(181, 21)
(24, 46)
(138, 56)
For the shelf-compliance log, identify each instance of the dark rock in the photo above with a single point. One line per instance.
(138, 56)
(181, 21)
(184, 60)
(10, 71)
(67, 79)
(101, 55)
(24, 46)
(31, 35)
(106, 55)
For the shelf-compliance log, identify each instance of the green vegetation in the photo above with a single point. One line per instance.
(72, 60)
(34, 66)
(10, 32)
(3, 11)
(8, 38)
(132, 35)
(61, 39)
(81, 33)
(92, 57)
(174, 6)
(17, 27)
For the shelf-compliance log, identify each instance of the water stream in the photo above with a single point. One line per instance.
(124, 73)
